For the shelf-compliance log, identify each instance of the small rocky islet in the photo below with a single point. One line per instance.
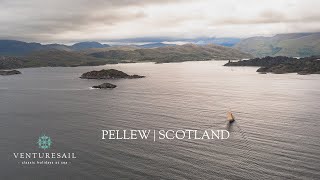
(108, 74)
(9, 72)
(282, 65)
(105, 86)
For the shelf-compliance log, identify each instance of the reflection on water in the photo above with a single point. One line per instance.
(275, 135)
(230, 127)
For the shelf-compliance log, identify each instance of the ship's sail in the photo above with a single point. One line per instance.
(230, 117)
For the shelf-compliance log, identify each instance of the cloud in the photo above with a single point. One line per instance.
(267, 17)
(102, 20)
(31, 18)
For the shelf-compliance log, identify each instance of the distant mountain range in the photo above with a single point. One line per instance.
(167, 41)
(292, 45)
(155, 45)
(18, 54)
(20, 48)
(229, 42)
(110, 55)
(88, 45)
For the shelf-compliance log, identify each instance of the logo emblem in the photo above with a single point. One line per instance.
(44, 142)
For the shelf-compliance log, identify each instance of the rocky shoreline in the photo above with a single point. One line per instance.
(9, 72)
(282, 65)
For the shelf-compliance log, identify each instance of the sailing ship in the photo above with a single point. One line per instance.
(230, 117)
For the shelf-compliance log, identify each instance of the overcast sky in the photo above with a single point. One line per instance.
(64, 21)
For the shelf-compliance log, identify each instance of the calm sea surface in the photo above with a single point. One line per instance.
(276, 135)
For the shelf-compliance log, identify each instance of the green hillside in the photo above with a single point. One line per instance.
(61, 58)
(51, 58)
(292, 45)
(188, 52)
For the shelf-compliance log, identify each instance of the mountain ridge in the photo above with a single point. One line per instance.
(21, 48)
(179, 53)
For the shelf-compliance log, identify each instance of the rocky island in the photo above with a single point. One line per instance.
(9, 72)
(282, 65)
(105, 86)
(108, 74)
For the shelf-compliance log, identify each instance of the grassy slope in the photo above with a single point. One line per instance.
(294, 45)
(301, 47)
(61, 58)
(188, 52)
